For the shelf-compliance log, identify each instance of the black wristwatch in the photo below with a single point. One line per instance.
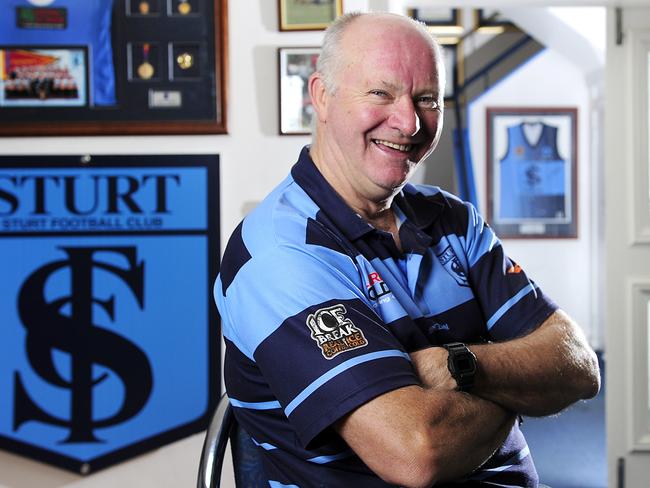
(462, 365)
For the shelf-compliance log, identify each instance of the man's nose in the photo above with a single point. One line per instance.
(404, 117)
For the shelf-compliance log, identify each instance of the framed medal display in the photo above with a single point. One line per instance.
(112, 67)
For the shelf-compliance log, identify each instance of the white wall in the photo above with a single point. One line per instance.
(563, 268)
(253, 160)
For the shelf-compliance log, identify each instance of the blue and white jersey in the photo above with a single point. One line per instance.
(532, 183)
(320, 310)
(88, 24)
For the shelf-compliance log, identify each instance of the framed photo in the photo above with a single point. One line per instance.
(532, 172)
(301, 15)
(296, 110)
(42, 77)
(113, 67)
(491, 21)
(440, 20)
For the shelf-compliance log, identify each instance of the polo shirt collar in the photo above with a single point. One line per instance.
(418, 209)
(422, 211)
(306, 174)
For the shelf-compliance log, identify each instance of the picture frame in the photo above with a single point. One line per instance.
(295, 66)
(152, 67)
(441, 21)
(306, 15)
(44, 77)
(491, 21)
(532, 171)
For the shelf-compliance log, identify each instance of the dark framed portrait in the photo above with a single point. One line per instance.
(440, 20)
(491, 20)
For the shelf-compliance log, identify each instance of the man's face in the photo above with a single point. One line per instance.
(385, 114)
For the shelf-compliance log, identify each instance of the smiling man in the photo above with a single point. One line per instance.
(376, 333)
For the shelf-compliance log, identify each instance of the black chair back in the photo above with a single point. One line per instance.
(247, 461)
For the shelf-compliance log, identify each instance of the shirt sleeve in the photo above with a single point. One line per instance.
(513, 305)
(307, 325)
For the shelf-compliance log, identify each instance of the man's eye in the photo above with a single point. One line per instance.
(429, 102)
(379, 93)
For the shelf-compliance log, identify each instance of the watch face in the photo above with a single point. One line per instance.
(464, 363)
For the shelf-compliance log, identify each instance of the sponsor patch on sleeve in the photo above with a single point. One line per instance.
(334, 332)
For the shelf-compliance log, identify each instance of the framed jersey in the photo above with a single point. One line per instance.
(112, 67)
(532, 172)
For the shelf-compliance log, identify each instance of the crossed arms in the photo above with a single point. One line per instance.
(420, 435)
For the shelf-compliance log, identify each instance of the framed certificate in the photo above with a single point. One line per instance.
(113, 67)
(300, 15)
(532, 172)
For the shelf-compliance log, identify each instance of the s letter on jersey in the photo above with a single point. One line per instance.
(110, 344)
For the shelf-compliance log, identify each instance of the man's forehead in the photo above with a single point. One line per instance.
(385, 40)
(392, 71)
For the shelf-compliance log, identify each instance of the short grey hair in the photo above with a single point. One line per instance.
(328, 63)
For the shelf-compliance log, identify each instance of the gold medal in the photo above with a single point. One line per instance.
(143, 7)
(185, 60)
(145, 70)
(184, 7)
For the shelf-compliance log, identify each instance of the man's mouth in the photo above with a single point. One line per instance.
(399, 147)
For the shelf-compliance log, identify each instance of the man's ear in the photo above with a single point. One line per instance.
(319, 95)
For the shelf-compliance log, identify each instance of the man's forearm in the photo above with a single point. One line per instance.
(415, 436)
(466, 420)
(541, 373)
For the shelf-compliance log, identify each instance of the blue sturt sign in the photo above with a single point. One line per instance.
(110, 344)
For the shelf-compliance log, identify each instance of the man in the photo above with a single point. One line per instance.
(338, 291)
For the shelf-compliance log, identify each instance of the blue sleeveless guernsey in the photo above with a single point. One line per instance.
(320, 310)
(88, 24)
(532, 183)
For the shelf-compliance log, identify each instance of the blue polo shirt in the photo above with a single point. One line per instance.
(320, 310)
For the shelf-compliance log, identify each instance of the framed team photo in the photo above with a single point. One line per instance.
(43, 77)
(440, 20)
(301, 15)
(296, 64)
(105, 67)
(532, 172)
